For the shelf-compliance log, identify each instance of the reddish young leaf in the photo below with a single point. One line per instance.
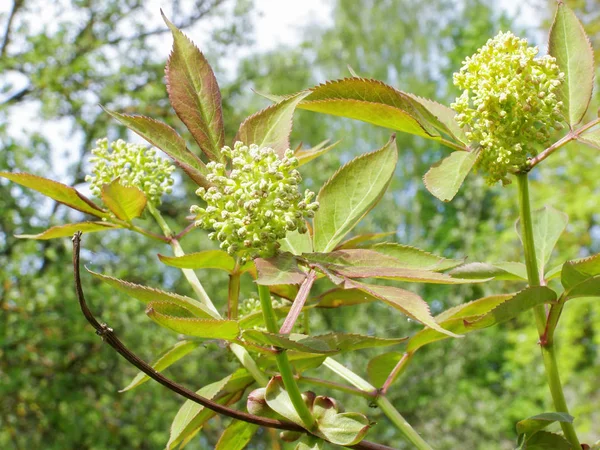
(194, 93)
(166, 139)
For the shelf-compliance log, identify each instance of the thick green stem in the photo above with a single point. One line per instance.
(285, 369)
(386, 407)
(547, 346)
(233, 293)
(189, 274)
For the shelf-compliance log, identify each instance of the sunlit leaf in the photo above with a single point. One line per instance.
(126, 202)
(587, 288)
(296, 243)
(445, 177)
(280, 269)
(355, 241)
(513, 271)
(56, 191)
(192, 416)
(548, 225)
(408, 302)
(165, 138)
(279, 401)
(446, 117)
(170, 316)
(366, 263)
(147, 294)
(574, 55)
(194, 93)
(339, 428)
(207, 259)
(380, 367)
(337, 297)
(70, 229)
(482, 313)
(236, 436)
(324, 343)
(171, 356)
(351, 193)
(373, 102)
(272, 126)
(306, 156)
(415, 258)
(578, 270)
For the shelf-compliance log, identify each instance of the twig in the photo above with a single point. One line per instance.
(299, 301)
(108, 335)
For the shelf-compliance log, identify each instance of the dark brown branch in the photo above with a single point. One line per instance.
(17, 4)
(108, 336)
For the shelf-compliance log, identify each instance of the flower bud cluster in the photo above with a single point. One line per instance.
(255, 204)
(509, 104)
(134, 164)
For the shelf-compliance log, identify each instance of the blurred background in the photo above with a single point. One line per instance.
(59, 60)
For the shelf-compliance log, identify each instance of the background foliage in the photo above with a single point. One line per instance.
(58, 383)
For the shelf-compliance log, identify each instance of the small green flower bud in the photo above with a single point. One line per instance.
(257, 204)
(134, 164)
(508, 105)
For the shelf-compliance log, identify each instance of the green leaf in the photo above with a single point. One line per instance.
(147, 294)
(373, 102)
(69, 230)
(483, 313)
(445, 177)
(194, 94)
(296, 243)
(126, 202)
(381, 366)
(56, 191)
(272, 126)
(337, 297)
(541, 421)
(365, 263)
(279, 401)
(192, 416)
(543, 440)
(310, 443)
(165, 138)
(574, 55)
(351, 193)
(578, 270)
(171, 356)
(553, 273)
(591, 137)
(236, 436)
(306, 156)
(414, 258)
(511, 308)
(354, 241)
(208, 259)
(324, 343)
(338, 428)
(280, 269)
(587, 288)
(548, 225)
(513, 271)
(162, 314)
(446, 117)
(408, 302)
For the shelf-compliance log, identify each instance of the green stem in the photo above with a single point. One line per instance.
(386, 407)
(233, 293)
(336, 386)
(547, 346)
(244, 357)
(285, 369)
(189, 274)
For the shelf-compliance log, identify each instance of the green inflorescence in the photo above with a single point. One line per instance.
(509, 105)
(254, 205)
(134, 164)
